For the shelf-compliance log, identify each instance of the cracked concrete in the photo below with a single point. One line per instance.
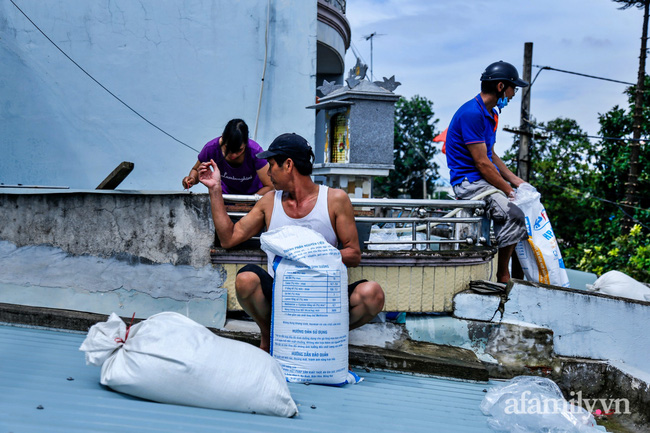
(584, 324)
(162, 228)
(111, 251)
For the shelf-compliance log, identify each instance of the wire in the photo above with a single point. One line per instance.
(100, 84)
(266, 52)
(357, 54)
(583, 75)
(640, 140)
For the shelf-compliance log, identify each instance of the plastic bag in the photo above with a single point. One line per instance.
(534, 404)
(309, 321)
(539, 255)
(617, 283)
(169, 358)
(389, 233)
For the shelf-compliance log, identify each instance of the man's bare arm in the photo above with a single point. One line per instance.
(230, 234)
(345, 227)
(505, 171)
(487, 168)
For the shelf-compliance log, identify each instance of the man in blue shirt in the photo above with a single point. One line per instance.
(475, 167)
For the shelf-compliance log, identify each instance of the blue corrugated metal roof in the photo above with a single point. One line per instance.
(36, 366)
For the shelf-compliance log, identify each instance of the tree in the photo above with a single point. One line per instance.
(614, 158)
(628, 253)
(631, 191)
(413, 151)
(583, 187)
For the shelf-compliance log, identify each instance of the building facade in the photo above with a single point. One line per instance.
(176, 73)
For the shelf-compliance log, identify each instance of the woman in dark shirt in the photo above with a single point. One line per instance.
(235, 155)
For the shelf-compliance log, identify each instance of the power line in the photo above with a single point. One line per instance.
(582, 75)
(100, 84)
(640, 140)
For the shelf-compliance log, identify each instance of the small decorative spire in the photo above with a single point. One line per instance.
(356, 74)
(389, 83)
(328, 87)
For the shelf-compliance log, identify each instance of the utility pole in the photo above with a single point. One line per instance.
(633, 175)
(523, 159)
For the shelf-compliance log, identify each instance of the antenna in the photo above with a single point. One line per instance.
(370, 37)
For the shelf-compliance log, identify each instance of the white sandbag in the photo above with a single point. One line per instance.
(309, 324)
(539, 255)
(617, 283)
(169, 358)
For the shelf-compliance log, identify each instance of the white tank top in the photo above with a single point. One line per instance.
(318, 219)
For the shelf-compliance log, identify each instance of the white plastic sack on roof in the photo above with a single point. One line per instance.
(617, 283)
(309, 321)
(539, 255)
(531, 404)
(169, 358)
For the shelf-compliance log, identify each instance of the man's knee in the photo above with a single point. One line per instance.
(516, 214)
(371, 295)
(246, 283)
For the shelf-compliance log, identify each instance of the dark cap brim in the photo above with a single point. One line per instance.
(266, 154)
(520, 83)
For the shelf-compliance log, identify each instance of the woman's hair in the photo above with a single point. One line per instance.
(234, 134)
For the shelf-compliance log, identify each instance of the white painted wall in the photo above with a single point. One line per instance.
(186, 66)
(584, 324)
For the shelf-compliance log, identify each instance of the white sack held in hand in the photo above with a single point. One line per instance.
(539, 255)
(310, 317)
(169, 358)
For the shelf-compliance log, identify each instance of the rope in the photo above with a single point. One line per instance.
(100, 84)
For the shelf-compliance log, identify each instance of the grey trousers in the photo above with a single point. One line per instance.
(508, 220)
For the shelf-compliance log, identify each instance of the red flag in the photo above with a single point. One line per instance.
(442, 137)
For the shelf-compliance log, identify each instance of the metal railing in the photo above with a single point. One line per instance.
(442, 224)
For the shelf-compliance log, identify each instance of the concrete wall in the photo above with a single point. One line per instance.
(104, 252)
(173, 228)
(584, 324)
(188, 67)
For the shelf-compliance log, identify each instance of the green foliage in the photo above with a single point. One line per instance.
(628, 253)
(413, 150)
(582, 183)
(613, 156)
(561, 171)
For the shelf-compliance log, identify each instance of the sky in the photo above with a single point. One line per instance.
(438, 48)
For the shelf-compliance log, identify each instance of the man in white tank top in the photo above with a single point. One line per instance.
(296, 201)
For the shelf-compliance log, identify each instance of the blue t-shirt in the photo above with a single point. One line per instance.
(471, 124)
